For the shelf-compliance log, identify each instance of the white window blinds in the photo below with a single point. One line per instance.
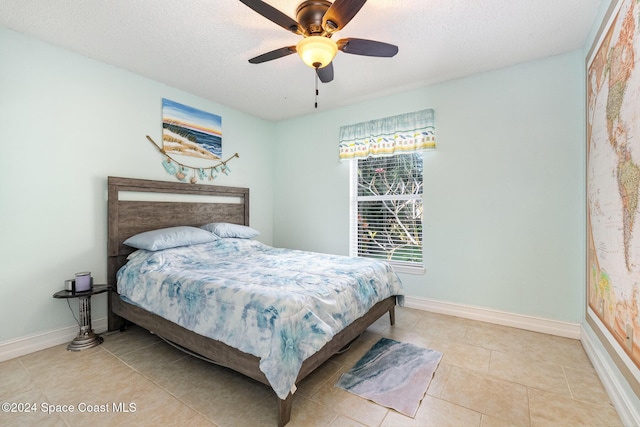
(386, 210)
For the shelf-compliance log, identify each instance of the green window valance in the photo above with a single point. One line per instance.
(404, 133)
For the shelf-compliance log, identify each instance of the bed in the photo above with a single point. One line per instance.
(136, 205)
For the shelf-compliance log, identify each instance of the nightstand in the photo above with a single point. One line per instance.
(86, 338)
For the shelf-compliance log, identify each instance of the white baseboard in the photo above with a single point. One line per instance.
(25, 345)
(530, 323)
(30, 344)
(628, 412)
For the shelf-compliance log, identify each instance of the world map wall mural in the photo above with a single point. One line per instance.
(613, 179)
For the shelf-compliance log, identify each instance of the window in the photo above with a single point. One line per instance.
(386, 186)
(386, 209)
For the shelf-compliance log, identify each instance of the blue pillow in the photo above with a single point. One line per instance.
(171, 237)
(226, 229)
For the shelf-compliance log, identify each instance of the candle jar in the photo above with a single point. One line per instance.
(83, 281)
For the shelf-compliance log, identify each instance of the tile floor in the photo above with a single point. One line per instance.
(490, 376)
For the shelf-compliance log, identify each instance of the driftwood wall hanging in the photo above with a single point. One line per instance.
(182, 170)
(187, 131)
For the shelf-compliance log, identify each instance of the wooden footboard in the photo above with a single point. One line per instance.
(224, 355)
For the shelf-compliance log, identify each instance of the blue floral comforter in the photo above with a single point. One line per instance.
(280, 305)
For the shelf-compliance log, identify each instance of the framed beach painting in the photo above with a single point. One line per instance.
(187, 131)
(613, 186)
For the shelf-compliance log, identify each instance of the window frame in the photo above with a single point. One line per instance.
(354, 199)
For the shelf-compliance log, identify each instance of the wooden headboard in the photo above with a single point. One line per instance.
(137, 205)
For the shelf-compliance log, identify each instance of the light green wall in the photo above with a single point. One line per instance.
(503, 199)
(66, 123)
(504, 192)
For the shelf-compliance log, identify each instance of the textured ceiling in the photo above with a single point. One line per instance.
(202, 46)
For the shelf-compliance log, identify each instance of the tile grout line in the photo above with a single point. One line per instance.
(564, 373)
(529, 406)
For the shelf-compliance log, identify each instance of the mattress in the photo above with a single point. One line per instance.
(280, 305)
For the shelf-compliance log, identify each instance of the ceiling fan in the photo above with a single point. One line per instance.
(317, 21)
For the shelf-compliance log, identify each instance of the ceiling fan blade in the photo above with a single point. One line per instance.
(274, 15)
(367, 47)
(325, 74)
(340, 13)
(274, 54)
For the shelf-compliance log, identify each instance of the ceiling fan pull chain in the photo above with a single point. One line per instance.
(316, 73)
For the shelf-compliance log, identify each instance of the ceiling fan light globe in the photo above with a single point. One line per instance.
(317, 51)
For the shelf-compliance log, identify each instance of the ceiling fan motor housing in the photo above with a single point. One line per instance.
(310, 13)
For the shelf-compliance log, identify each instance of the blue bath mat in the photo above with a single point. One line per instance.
(393, 374)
